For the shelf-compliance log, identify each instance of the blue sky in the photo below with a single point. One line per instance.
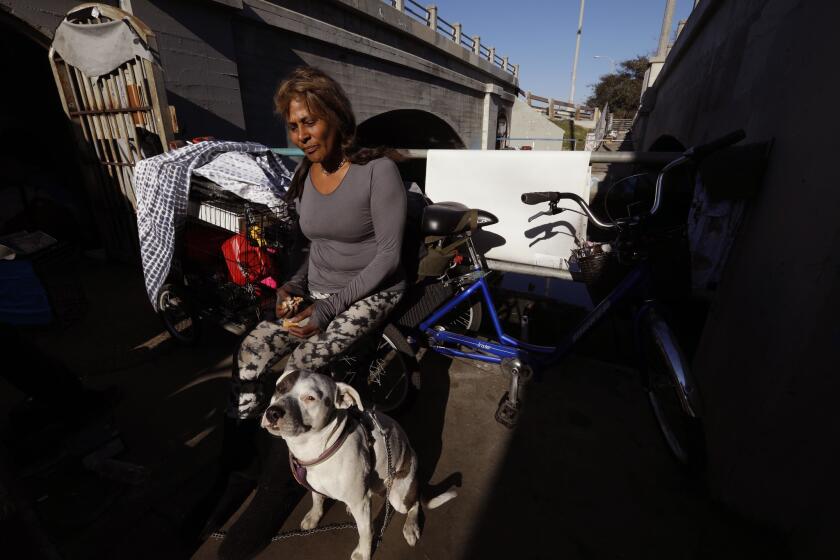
(539, 35)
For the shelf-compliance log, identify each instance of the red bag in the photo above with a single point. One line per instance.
(247, 263)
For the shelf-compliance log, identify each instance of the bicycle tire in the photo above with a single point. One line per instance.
(382, 371)
(672, 393)
(466, 318)
(178, 315)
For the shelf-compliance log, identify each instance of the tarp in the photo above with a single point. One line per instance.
(23, 300)
(98, 49)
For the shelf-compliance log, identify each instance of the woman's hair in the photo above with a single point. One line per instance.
(324, 98)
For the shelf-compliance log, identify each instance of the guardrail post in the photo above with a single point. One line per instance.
(477, 44)
(399, 5)
(550, 108)
(528, 97)
(432, 10)
(456, 32)
(491, 56)
(516, 70)
(505, 64)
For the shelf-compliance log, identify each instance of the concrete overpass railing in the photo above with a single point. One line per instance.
(428, 15)
(555, 108)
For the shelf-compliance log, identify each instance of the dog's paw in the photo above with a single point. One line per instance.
(411, 532)
(359, 555)
(310, 521)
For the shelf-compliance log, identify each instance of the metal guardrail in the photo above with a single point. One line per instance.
(428, 16)
(621, 125)
(654, 158)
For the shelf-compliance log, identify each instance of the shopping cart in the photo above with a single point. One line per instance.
(229, 256)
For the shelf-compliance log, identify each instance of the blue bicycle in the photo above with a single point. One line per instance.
(442, 315)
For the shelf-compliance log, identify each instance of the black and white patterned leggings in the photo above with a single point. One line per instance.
(263, 348)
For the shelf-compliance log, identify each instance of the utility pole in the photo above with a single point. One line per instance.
(666, 29)
(574, 74)
(577, 52)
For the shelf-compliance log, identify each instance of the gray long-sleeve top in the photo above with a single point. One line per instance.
(355, 238)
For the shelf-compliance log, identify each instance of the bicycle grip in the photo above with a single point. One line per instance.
(538, 197)
(705, 149)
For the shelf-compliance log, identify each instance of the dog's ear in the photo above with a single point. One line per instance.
(346, 396)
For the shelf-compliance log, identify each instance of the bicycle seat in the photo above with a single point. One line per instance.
(447, 218)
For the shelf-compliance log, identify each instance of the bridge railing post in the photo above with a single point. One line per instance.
(505, 64)
(491, 56)
(550, 108)
(399, 5)
(456, 33)
(516, 70)
(432, 11)
(477, 44)
(528, 98)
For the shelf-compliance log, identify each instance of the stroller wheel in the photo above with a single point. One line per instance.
(178, 315)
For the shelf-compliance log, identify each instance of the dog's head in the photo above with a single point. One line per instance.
(305, 401)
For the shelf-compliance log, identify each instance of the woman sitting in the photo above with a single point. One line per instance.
(351, 202)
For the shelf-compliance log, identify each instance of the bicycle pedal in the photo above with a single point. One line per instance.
(508, 413)
(416, 380)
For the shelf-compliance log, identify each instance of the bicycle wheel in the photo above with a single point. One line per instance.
(672, 393)
(177, 314)
(466, 318)
(379, 368)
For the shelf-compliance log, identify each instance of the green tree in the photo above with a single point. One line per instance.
(621, 89)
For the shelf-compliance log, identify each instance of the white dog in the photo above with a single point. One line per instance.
(336, 456)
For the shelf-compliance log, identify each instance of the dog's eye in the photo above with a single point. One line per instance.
(309, 398)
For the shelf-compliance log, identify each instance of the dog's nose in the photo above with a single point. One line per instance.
(274, 413)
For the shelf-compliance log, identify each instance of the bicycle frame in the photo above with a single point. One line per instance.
(508, 347)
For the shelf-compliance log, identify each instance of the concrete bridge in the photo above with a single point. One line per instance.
(415, 80)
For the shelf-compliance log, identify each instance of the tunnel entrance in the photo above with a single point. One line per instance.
(41, 184)
(409, 128)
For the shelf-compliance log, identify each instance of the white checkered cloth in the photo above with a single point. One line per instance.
(162, 186)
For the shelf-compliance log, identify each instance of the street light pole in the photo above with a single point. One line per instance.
(665, 33)
(577, 52)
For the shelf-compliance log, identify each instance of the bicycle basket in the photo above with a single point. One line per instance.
(587, 263)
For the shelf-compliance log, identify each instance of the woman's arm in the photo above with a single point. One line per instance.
(299, 281)
(387, 208)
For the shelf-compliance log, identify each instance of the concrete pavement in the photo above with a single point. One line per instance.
(584, 475)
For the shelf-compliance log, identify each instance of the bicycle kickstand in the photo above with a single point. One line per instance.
(507, 414)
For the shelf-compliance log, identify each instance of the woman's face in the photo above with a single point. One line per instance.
(309, 132)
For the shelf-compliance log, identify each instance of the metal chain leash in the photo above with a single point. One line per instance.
(220, 535)
(388, 509)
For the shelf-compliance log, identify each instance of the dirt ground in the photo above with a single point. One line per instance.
(585, 474)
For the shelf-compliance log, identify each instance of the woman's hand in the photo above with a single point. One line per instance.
(307, 330)
(286, 303)
(281, 308)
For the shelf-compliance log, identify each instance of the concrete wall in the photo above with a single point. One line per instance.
(527, 122)
(199, 58)
(768, 360)
(224, 58)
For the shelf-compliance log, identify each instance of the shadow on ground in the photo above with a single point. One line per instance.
(168, 403)
(584, 474)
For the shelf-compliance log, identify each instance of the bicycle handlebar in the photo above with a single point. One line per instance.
(701, 151)
(554, 197)
(694, 153)
(538, 197)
